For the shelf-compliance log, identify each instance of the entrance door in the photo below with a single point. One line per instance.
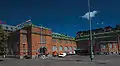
(42, 50)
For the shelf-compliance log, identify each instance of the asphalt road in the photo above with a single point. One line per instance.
(112, 60)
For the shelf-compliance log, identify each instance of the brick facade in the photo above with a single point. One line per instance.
(28, 39)
(33, 38)
(104, 41)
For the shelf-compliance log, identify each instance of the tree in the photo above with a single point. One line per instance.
(3, 40)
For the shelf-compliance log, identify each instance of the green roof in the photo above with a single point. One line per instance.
(62, 36)
(101, 33)
(26, 25)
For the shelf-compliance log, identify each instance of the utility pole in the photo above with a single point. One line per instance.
(91, 43)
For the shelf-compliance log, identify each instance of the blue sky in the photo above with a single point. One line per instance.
(61, 16)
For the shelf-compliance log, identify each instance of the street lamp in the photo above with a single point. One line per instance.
(91, 43)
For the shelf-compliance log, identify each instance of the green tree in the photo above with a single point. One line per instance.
(3, 40)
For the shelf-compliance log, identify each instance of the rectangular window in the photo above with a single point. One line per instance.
(53, 40)
(73, 42)
(58, 40)
(44, 31)
(62, 41)
(69, 42)
(24, 37)
(42, 37)
(65, 41)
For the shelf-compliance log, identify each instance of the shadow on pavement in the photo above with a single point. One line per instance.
(78, 60)
(102, 63)
(1, 60)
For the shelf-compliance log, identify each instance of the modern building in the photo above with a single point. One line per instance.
(29, 39)
(105, 40)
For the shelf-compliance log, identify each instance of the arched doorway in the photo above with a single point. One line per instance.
(54, 48)
(70, 48)
(65, 49)
(42, 50)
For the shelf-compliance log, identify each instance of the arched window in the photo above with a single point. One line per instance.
(70, 48)
(60, 48)
(66, 48)
(110, 45)
(54, 48)
(103, 46)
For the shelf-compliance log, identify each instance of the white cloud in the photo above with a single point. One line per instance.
(102, 22)
(97, 23)
(92, 14)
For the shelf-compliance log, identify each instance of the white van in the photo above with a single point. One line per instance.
(62, 55)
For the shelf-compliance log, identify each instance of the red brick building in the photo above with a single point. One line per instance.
(105, 40)
(31, 39)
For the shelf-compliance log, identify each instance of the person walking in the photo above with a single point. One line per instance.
(4, 54)
(36, 57)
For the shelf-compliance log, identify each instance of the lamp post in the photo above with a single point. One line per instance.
(91, 43)
(41, 38)
(41, 34)
(118, 43)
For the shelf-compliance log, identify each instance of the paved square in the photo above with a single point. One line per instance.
(112, 60)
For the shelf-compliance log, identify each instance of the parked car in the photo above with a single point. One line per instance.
(62, 55)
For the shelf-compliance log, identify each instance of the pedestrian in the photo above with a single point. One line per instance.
(36, 56)
(39, 55)
(4, 54)
(46, 53)
(55, 53)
